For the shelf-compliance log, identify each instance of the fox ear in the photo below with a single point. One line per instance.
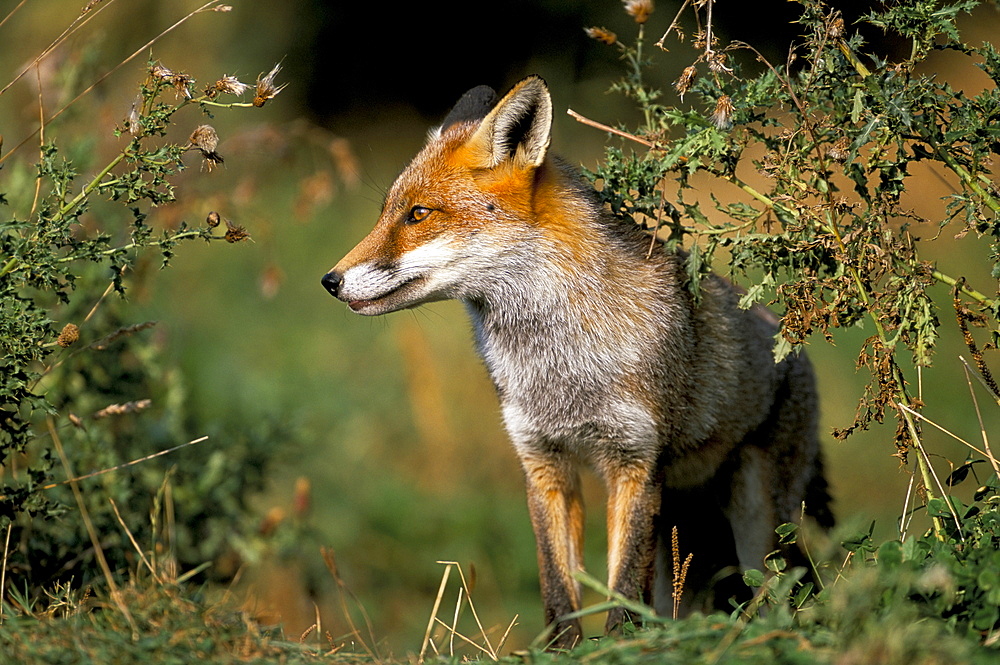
(472, 106)
(518, 128)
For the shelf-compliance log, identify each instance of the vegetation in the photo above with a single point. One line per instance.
(809, 164)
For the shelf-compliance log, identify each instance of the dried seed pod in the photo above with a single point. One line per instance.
(602, 35)
(639, 10)
(205, 139)
(722, 116)
(69, 335)
(235, 232)
(266, 89)
(686, 80)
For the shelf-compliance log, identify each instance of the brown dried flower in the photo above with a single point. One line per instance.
(835, 29)
(717, 63)
(122, 409)
(69, 335)
(266, 89)
(722, 116)
(235, 233)
(160, 72)
(205, 139)
(839, 151)
(639, 10)
(302, 498)
(686, 80)
(227, 85)
(602, 35)
(132, 124)
(272, 520)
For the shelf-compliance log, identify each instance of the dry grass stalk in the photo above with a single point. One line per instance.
(3, 568)
(212, 6)
(122, 409)
(345, 591)
(131, 538)
(464, 593)
(434, 610)
(987, 452)
(680, 571)
(120, 466)
(92, 532)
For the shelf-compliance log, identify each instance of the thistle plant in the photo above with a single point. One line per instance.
(812, 158)
(71, 368)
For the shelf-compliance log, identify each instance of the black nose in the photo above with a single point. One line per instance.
(331, 282)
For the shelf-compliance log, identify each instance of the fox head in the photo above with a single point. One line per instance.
(465, 201)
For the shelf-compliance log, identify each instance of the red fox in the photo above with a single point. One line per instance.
(600, 358)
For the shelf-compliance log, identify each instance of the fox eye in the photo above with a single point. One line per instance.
(418, 214)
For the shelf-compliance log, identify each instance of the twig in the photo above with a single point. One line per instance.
(434, 611)
(3, 567)
(907, 514)
(345, 591)
(928, 473)
(41, 140)
(77, 23)
(142, 556)
(213, 5)
(12, 12)
(472, 608)
(593, 123)
(985, 453)
(92, 532)
(673, 25)
(982, 427)
(120, 466)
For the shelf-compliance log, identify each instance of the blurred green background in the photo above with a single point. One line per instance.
(393, 421)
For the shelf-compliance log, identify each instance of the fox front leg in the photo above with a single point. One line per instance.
(556, 507)
(633, 507)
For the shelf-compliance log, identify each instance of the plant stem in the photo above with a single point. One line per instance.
(972, 293)
(194, 233)
(90, 187)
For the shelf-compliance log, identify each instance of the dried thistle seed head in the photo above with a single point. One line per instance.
(602, 35)
(839, 151)
(722, 116)
(132, 124)
(835, 28)
(266, 89)
(639, 10)
(228, 85)
(205, 139)
(235, 233)
(161, 73)
(213, 219)
(717, 63)
(182, 84)
(69, 335)
(686, 80)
